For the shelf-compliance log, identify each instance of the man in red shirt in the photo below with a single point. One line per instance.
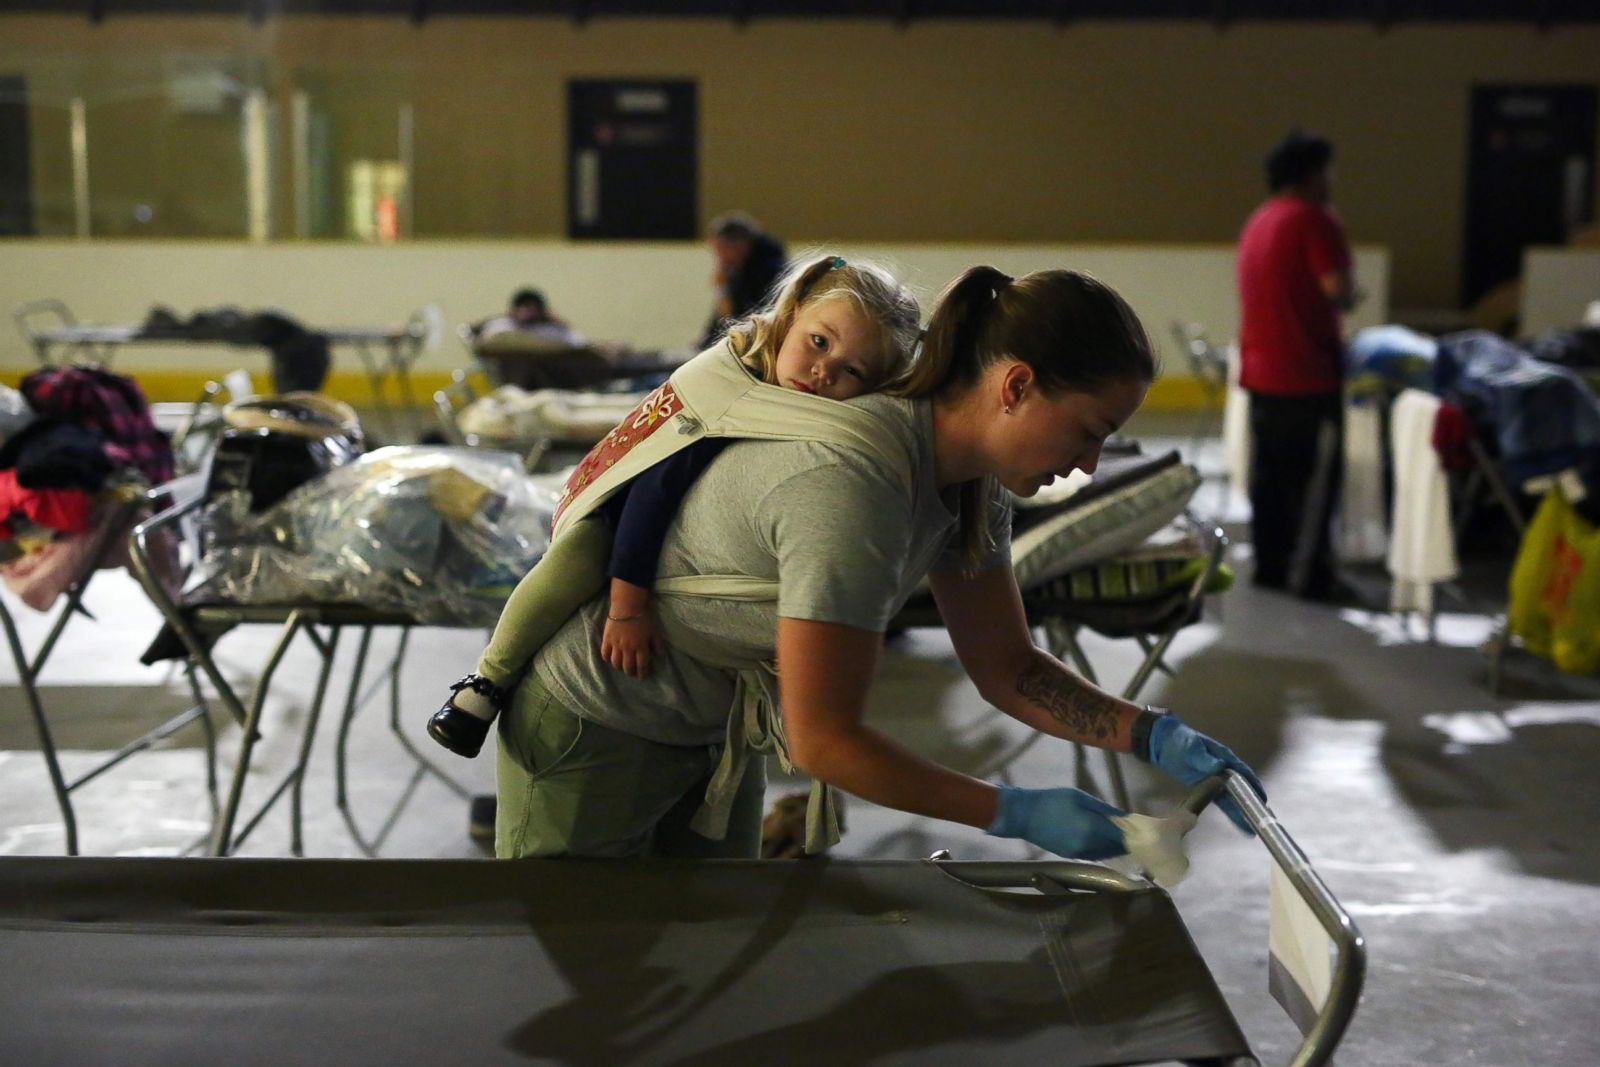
(1294, 280)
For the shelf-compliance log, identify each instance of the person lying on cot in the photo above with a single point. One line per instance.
(787, 560)
(835, 330)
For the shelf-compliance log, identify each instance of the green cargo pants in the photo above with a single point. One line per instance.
(571, 787)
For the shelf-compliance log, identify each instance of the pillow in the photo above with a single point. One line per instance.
(1148, 571)
(511, 413)
(1058, 492)
(1113, 522)
(1079, 488)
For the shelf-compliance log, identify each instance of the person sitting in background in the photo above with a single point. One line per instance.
(530, 315)
(749, 262)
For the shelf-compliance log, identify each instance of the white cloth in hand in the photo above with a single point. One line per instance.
(1156, 844)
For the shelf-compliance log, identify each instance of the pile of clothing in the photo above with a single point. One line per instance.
(300, 357)
(1543, 418)
(1531, 402)
(79, 449)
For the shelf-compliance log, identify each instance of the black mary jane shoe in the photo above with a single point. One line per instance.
(458, 729)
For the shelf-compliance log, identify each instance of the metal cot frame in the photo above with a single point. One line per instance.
(1349, 967)
(1321, 1033)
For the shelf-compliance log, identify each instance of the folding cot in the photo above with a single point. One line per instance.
(546, 426)
(1524, 418)
(386, 352)
(146, 961)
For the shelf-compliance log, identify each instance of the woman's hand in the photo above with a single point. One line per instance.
(629, 643)
(1068, 822)
(1191, 757)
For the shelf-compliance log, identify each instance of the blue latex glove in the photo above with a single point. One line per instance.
(1068, 822)
(1191, 757)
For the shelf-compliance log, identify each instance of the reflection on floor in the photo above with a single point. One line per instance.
(1456, 825)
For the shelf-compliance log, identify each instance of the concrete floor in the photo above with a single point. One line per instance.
(1454, 824)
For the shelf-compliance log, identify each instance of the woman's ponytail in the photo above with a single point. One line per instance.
(950, 346)
(952, 357)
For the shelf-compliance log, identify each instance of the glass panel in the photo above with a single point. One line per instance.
(166, 147)
(348, 173)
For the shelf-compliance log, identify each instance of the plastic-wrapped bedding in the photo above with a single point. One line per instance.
(1128, 500)
(514, 415)
(435, 533)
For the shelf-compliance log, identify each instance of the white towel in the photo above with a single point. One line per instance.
(1422, 548)
(1363, 527)
(1156, 844)
(1236, 431)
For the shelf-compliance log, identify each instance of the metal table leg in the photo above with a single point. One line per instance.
(327, 647)
(423, 765)
(340, 777)
(223, 841)
(47, 745)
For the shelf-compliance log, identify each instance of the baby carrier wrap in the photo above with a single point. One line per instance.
(715, 395)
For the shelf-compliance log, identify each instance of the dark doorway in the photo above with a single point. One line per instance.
(16, 179)
(1530, 176)
(632, 159)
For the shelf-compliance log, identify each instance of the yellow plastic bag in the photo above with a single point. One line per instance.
(1555, 587)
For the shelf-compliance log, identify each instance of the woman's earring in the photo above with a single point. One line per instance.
(1007, 409)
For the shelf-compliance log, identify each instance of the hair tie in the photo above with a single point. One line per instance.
(837, 263)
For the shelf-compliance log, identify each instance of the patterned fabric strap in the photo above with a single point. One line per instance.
(650, 415)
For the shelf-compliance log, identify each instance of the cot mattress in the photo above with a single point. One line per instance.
(244, 962)
(513, 414)
(1127, 501)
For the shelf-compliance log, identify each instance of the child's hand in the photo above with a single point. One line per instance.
(627, 644)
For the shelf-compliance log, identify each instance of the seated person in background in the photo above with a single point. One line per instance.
(749, 263)
(530, 316)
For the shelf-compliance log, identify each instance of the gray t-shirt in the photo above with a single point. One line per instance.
(845, 539)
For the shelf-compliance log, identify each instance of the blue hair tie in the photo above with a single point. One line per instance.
(837, 264)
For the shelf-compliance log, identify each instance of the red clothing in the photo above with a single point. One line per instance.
(1289, 341)
(1452, 437)
(63, 510)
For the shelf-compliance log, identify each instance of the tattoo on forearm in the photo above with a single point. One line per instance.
(1070, 701)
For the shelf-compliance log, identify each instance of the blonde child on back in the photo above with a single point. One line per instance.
(832, 329)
